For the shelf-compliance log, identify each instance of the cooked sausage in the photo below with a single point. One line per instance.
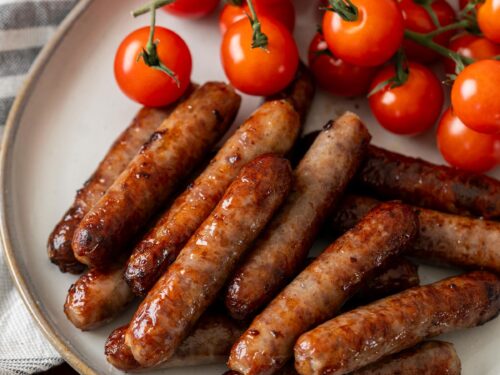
(281, 250)
(115, 161)
(318, 292)
(443, 239)
(428, 358)
(393, 176)
(173, 150)
(209, 342)
(96, 297)
(191, 284)
(273, 128)
(363, 336)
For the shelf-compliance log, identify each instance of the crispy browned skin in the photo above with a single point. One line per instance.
(280, 252)
(318, 292)
(115, 161)
(96, 297)
(394, 176)
(443, 239)
(191, 284)
(174, 149)
(273, 128)
(428, 358)
(363, 336)
(209, 342)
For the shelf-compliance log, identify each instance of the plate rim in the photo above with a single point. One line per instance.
(9, 135)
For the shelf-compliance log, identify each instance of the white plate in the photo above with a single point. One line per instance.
(67, 116)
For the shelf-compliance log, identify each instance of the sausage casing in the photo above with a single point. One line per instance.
(96, 297)
(273, 128)
(115, 161)
(191, 284)
(209, 342)
(443, 239)
(363, 336)
(280, 252)
(393, 176)
(173, 150)
(318, 292)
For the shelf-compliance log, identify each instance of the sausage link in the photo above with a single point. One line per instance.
(191, 284)
(280, 252)
(415, 181)
(115, 161)
(363, 336)
(97, 297)
(443, 239)
(428, 358)
(317, 293)
(173, 150)
(209, 342)
(273, 128)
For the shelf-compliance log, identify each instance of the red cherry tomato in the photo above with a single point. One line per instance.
(464, 148)
(488, 18)
(144, 84)
(372, 39)
(335, 75)
(469, 45)
(256, 71)
(279, 10)
(475, 96)
(191, 8)
(417, 19)
(411, 108)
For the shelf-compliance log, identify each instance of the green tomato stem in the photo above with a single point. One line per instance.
(147, 8)
(259, 39)
(463, 24)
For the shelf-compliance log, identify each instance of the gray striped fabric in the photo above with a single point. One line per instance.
(25, 26)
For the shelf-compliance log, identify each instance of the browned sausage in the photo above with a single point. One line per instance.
(280, 252)
(96, 297)
(428, 358)
(273, 128)
(173, 150)
(415, 181)
(363, 336)
(318, 292)
(115, 161)
(191, 284)
(209, 342)
(443, 239)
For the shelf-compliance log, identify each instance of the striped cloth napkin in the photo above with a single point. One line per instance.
(25, 26)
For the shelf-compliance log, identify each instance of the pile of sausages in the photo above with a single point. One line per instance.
(214, 242)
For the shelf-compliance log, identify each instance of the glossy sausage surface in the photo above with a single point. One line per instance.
(273, 128)
(279, 253)
(363, 336)
(191, 284)
(443, 239)
(393, 176)
(319, 291)
(176, 147)
(114, 162)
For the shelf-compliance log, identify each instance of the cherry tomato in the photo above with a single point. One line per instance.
(464, 148)
(475, 96)
(411, 108)
(191, 8)
(469, 45)
(463, 3)
(335, 75)
(488, 18)
(279, 10)
(144, 84)
(256, 71)
(372, 39)
(417, 19)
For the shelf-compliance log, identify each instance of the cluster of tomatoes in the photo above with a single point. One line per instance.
(379, 48)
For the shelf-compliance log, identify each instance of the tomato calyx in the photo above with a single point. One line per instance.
(344, 8)
(401, 77)
(259, 39)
